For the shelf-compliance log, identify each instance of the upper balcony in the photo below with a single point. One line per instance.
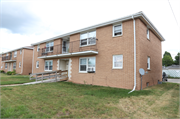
(70, 49)
(9, 58)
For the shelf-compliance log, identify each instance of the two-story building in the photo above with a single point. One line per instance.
(107, 54)
(18, 59)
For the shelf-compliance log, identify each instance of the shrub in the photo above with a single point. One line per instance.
(1, 71)
(9, 73)
(14, 72)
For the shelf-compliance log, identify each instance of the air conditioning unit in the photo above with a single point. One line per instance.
(91, 70)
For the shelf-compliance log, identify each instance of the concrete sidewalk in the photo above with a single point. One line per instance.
(36, 82)
(174, 80)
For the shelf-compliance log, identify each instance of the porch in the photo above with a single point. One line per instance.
(70, 49)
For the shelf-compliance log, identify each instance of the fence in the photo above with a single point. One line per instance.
(172, 73)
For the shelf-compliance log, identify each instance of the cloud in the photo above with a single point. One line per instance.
(16, 17)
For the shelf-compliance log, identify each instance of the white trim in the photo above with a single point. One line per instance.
(140, 15)
(87, 32)
(86, 63)
(18, 49)
(113, 62)
(48, 65)
(71, 54)
(113, 29)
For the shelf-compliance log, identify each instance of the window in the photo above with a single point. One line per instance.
(37, 64)
(148, 63)
(14, 65)
(117, 30)
(20, 51)
(48, 65)
(5, 65)
(19, 64)
(38, 49)
(15, 53)
(87, 64)
(117, 61)
(49, 46)
(88, 38)
(148, 34)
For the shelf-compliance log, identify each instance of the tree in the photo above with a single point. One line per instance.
(167, 59)
(177, 59)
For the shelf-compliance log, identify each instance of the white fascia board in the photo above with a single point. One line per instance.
(70, 54)
(91, 27)
(9, 61)
(139, 14)
(18, 49)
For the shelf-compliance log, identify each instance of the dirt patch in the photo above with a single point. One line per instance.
(145, 106)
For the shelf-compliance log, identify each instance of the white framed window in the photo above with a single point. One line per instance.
(147, 33)
(117, 61)
(88, 38)
(48, 65)
(15, 53)
(148, 62)
(5, 65)
(20, 51)
(37, 64)
(14, 65)
(87, 64)
(19, 64)
(38, 48)
(117, 30)
(7, 54)
(49, 46)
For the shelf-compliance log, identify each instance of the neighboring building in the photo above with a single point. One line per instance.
(107, 54)
(19, 59)
(172, 71)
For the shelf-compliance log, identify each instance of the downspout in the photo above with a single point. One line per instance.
(134, 55)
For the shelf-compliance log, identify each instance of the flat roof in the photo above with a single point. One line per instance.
(140, 15)
(26, 47)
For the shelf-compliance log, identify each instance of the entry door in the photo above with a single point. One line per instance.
(9, 66)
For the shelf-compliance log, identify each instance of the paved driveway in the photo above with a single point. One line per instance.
(174, 80)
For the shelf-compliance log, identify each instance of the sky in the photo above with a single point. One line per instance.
(23, 22)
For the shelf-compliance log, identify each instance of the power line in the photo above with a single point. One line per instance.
(173, 14)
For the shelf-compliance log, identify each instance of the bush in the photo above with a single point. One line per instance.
(1, 71)
(9, 73)
(14, 72)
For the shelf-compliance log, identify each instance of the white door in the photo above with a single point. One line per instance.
(9, 66)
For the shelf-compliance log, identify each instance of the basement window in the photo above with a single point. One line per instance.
(117, 61)
(147, 84)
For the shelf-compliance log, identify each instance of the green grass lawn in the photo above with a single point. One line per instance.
(68, 100)
(13, 79)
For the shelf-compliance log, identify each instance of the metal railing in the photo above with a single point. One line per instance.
(69, 47)
(9, 57)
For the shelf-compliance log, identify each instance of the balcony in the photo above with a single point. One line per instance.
(8, 59)
(70, 49)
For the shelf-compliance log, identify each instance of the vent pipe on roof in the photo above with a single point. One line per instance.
(134, 55)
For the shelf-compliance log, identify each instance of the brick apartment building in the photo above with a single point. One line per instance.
(106, 54)
(18, 59)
